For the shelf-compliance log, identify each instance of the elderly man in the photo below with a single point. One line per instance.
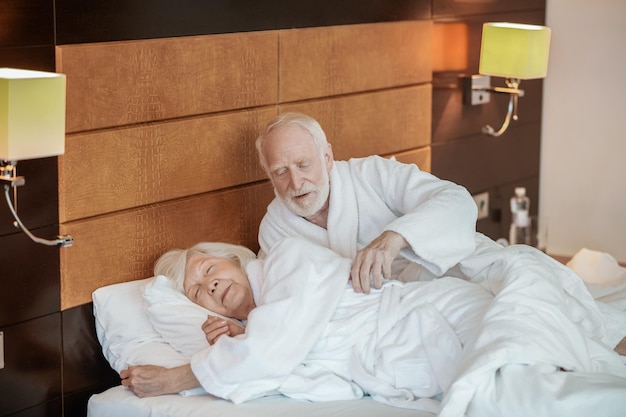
(370, 209)
(393, 220)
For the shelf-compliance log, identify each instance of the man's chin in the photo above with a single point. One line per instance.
(302, 211)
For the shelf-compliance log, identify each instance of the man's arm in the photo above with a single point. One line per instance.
(434, 225)
(436, 217)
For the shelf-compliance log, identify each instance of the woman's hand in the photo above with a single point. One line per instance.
(214, 327)
(150, 380)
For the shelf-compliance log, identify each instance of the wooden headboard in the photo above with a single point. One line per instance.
(160, 133)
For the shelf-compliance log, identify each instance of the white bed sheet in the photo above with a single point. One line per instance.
(120, 402)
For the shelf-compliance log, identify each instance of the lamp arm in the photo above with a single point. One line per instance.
(514, 94)
(62, 241)
(488, 130)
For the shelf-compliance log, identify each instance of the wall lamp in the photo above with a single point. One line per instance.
(32, 125)
(511, 50)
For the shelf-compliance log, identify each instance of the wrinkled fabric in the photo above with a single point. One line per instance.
(312, 337)
(542, 317)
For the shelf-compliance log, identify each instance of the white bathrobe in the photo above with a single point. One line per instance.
(312, 337)
(437, 218)
(374, 194)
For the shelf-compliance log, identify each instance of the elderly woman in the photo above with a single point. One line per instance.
(308, 334)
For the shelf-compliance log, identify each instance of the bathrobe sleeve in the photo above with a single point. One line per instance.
(436, 217)
(296, 302)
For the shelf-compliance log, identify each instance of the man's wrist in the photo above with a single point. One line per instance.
(397, 240)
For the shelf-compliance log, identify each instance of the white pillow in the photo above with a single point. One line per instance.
(176, 318)
(125, 331)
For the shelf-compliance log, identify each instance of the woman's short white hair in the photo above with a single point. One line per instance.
(173, 262)
(292, 118)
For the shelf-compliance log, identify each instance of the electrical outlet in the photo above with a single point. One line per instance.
(1, 350)
(482, 202)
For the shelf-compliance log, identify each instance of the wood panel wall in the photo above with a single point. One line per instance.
(30, 316)
(160, 145)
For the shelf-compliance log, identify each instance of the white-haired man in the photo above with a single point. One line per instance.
(392, 219)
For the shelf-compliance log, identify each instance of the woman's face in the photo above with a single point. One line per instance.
(218, 285)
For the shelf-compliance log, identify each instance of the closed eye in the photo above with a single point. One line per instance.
(280, 172)
(208, 270)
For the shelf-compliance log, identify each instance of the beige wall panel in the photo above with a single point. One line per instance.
(159, 155)
(122, 83)
(327, 61)
(420, 157)
(124, 246)
(382, 123)
(111, 170)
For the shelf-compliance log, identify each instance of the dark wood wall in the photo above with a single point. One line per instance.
(52, 359)
(460, 152)
(30, 316)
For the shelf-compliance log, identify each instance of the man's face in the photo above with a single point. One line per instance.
(297, 170)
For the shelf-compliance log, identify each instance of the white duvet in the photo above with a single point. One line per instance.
(542, 322)
(412, 345)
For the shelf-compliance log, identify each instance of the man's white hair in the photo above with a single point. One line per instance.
(292, 118)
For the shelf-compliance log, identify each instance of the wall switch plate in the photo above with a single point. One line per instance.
(1, 350)
(476, 89)
(482, 202)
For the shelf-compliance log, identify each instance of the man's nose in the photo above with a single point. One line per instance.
(296, 180)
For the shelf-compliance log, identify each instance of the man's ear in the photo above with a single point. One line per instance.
(329, 159)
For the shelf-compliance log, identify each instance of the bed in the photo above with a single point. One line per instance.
(118, 401)
(489, 376)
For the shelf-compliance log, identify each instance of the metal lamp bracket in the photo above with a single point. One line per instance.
(477, 90)
(11, 181)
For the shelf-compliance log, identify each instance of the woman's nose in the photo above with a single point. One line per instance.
(212, 287)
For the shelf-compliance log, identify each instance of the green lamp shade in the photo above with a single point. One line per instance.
(32, 114)
(514, 50)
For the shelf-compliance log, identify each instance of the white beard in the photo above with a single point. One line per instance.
(308, 210)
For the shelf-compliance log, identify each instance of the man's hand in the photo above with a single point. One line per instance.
(150, 380)
(214, 327)
(375, 260)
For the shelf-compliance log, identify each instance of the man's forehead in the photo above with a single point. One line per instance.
(292, 131)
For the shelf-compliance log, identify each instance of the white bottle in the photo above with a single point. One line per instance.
(520, 231)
